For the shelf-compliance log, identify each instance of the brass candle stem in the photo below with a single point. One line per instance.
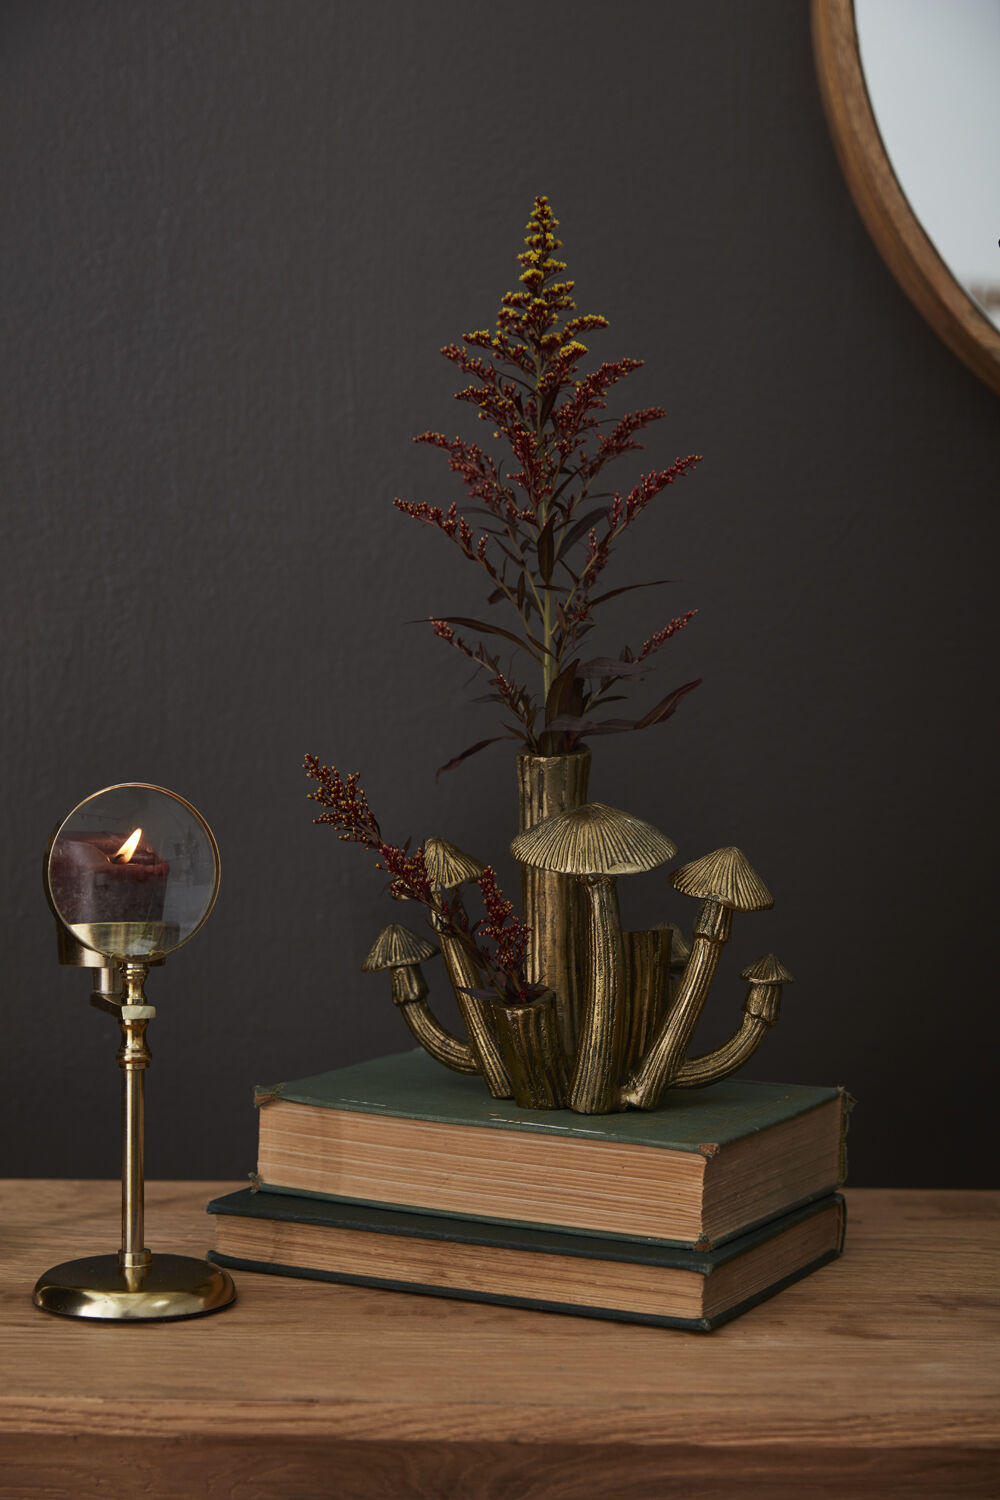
(133, 1285)
(134, 1058)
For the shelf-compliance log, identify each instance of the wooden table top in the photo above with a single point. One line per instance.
(877, 1376)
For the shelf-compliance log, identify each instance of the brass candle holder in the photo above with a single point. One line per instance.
(131, 874)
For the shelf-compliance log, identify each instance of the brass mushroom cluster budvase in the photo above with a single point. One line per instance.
(610, 1014)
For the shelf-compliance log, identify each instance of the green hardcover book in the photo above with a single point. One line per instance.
(536, 1268)
(403, 1132)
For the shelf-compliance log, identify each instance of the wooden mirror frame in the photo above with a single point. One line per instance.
(888, 217)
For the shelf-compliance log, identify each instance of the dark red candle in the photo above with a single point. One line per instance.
(97, 877)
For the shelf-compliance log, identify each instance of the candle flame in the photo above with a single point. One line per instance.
(129, 847)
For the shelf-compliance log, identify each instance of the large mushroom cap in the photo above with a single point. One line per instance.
(593, 840)
(767, 970)
(396, 947)
(726, 876)
(448, 866)
(680, 945)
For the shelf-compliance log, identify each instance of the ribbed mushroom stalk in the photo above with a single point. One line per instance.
(401, 952)
(597, 843)
(760, 1012)
(726, 882)
(553, 904)
(448, 868)
(647, 983)
(680, 951)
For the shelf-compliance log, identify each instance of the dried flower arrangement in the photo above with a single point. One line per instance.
(562, 1007)
(541, 533)
(543, 538)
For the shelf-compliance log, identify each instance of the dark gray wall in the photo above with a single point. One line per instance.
(235, 235)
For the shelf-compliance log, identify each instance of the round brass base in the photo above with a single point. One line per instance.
(171, 1286)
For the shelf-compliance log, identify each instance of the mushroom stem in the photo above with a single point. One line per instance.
(647, 988)
(662, 1062)
(712, 1066)
(464, 975)
(409, 992)
(761, 1009)
(554, 906)
(598, 1062)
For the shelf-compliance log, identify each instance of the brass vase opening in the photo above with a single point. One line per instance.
(532, 1052)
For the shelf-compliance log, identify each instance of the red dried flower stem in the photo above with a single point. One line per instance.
(346, 808)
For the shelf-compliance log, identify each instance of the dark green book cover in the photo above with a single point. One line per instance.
(413, 1086)
(410, 1086)
(251, 1204)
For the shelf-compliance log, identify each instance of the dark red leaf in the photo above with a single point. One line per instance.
(610, 666)
(669, 704)
(486, 629)
(512, 556)
(583, 526)
(546, 548)
(571, 724)
(472, 750)
(626, 588)
(478, 994)
(565, 696)
(547, 404)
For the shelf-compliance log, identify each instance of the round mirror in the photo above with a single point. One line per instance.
(133, 871)
(933, 77)
(909, 88)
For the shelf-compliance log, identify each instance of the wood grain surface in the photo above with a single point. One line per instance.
(877, 1376)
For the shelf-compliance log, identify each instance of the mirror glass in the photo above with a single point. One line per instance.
(932, 68)
(133, 871)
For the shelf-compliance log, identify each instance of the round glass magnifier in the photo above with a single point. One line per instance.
(133, 871)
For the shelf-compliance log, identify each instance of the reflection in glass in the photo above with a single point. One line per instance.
(133, 871)
(932, 68)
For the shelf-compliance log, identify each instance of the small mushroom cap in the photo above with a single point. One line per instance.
(593, 840)
(767, 970)
(680, 946)
(726, 876)
(448, 866)
(397, 947)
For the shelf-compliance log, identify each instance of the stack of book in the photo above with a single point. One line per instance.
(396, 1173)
